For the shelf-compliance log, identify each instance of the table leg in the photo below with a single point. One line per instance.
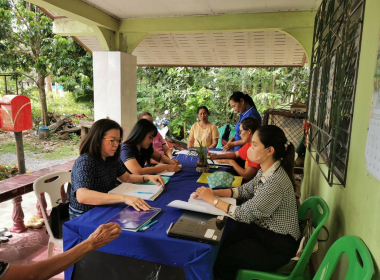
(44, 205)
(18, 216)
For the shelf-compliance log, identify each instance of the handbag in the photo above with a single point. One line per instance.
(60, 214)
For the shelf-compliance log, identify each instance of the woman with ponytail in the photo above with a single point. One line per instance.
(267, 235)
(244, 105)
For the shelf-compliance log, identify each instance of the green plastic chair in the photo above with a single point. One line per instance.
(354, 248)
(321, 213)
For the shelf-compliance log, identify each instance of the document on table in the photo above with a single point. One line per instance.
(183, 152)
(198, 205)
(167, 173)
(217, 163)
(217, 152)
(146, 192)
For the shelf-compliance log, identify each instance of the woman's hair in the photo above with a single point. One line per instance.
(92, 143)
(203, 107)
(273, 136)
(238, 95)
(250, 123)
(141, 115)
(139, 131)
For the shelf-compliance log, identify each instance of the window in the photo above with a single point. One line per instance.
(333, 72)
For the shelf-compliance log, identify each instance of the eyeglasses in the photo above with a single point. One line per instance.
(241, 131)
(114, 142)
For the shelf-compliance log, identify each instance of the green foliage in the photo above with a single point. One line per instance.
(65, 104)
(182, 90)
(28, 47)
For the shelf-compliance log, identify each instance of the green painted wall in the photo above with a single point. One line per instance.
(355, 210)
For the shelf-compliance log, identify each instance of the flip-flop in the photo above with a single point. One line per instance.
(4, 239)
(34, 223)
(7, 234)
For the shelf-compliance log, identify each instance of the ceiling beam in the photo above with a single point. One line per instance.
(72, 28)
(219, 23)
(80, 11)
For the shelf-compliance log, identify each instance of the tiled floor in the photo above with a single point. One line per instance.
(29, 246)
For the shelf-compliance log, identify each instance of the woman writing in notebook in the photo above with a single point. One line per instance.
(203, 131)
(267, 234)
(247, 127)
(137, 151)
(244, 105)
(97, 169)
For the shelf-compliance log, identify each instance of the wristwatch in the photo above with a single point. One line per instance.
(216, 202)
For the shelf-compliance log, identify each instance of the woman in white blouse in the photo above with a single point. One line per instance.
(267, 235)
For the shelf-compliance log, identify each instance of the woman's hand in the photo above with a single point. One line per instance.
(173, 168)
(206, 194)
(157, 179)
(136, 202)
(174, 161)
(212, 156)
(228, 146)
(103, 235)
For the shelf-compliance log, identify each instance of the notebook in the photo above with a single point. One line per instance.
(199, 227)
(203, 179)
(145, 191)
(198, 205)
(132, 220)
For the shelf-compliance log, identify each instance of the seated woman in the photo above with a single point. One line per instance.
(203, 131)
(247, 127)
(267, 233)
(137, 150)
(97, 169)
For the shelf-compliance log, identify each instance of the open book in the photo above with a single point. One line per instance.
(146, 192)
(198, 205)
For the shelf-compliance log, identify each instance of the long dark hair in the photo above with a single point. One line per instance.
(238, 95)
(250, 123)
(92, 143)
(139, 131)
(273, 136)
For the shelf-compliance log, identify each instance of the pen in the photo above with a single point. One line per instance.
(145, 192)
(148, 225)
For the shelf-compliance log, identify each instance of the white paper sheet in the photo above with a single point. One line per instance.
(209, 209)
(146, 192)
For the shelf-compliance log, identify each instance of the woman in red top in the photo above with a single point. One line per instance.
(248, 126)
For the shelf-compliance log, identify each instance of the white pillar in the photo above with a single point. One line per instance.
(115, 88)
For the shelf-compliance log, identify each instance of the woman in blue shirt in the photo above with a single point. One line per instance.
(97, 169)
(243, 104)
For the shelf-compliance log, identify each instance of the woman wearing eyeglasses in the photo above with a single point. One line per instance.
(247, 128)
(97, 169)
(137, 151)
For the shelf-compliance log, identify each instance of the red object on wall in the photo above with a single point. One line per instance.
(15, 113)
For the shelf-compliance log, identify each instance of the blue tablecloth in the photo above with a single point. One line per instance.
(197, 259)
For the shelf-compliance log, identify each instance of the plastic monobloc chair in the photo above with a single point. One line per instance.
(51, 184)
(321, 213)
(360, 264)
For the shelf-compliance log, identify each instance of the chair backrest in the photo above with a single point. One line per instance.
(51, 184)
(320, 212)
(360, 264)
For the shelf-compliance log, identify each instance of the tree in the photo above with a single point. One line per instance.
(28, 47)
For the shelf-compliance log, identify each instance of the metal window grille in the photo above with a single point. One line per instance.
(333, 75)
(290, 123)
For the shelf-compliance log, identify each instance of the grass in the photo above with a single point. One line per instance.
(10, 147)
(61, 149)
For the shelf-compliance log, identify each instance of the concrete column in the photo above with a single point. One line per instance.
(115, 88)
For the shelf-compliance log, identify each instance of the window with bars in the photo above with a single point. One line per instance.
(333, 74)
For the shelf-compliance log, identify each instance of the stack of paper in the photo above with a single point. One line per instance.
(146, 192)
(198, 205)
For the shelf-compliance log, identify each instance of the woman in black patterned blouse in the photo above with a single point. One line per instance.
(267, 235)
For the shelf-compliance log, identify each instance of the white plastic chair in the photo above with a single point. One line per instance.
(53, 189)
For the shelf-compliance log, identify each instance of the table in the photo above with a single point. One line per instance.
(153, 245)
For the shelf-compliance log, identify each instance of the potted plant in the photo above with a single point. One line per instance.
(201, 153)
